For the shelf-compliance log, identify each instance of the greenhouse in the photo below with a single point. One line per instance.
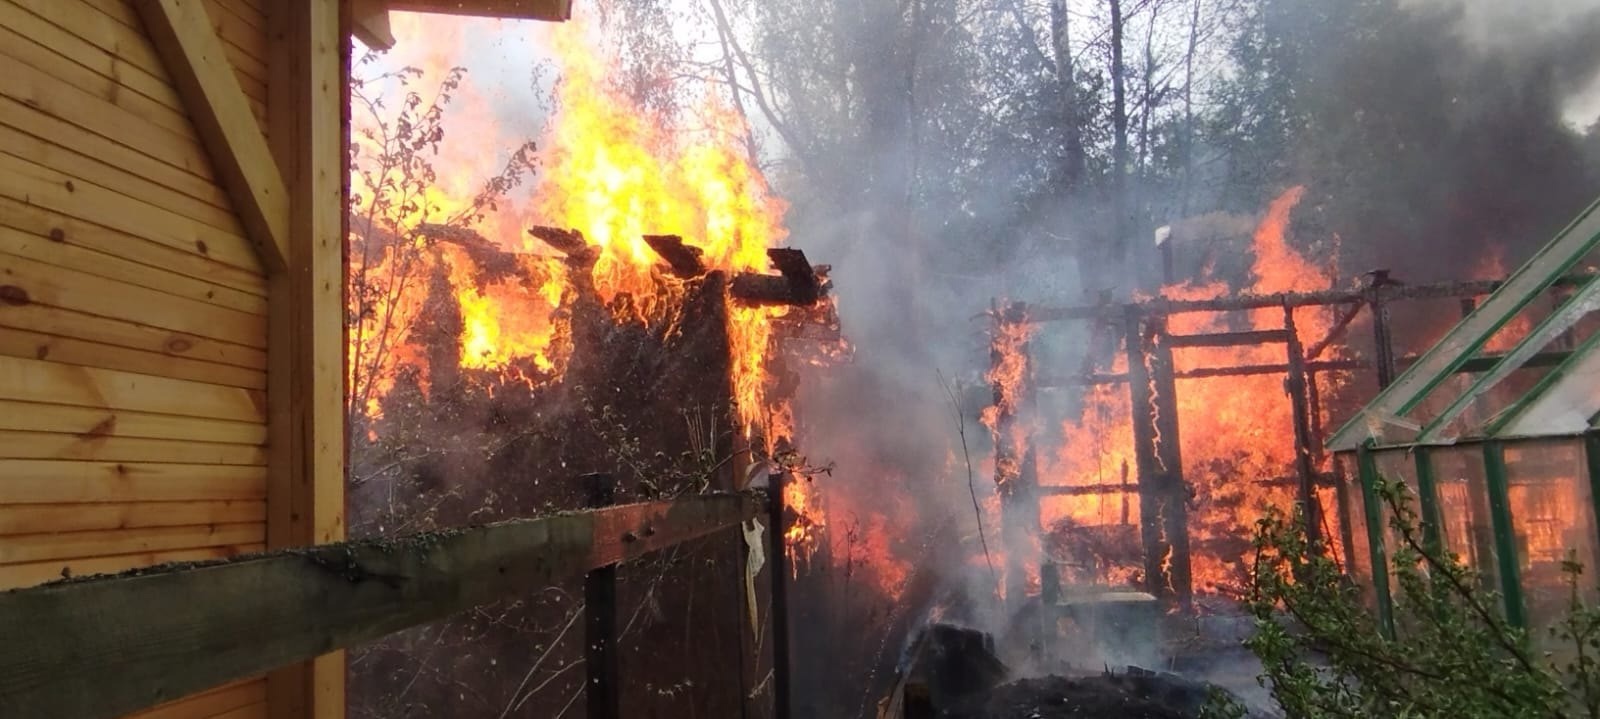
(1503, 459)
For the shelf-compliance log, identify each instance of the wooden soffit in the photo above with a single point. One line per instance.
(371, 17)
(550, 10)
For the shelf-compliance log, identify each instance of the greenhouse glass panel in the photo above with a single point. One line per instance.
(1396, 466)
(1357, 552)
(1553, 517)
(1466, 529)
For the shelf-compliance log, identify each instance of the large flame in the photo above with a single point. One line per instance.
(610, 169)
(615, 173)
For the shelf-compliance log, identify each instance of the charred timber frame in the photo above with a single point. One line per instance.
(1151, 384)
(1162, 306)
(107, 646)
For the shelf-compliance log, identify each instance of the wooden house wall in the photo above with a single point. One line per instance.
(133, 310)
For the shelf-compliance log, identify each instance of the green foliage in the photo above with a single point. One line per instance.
(1325, 654)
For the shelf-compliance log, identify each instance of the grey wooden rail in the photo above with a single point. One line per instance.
(106, 646)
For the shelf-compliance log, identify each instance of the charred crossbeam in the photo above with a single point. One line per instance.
(1476, 364)
(685, 260)
(1229, 339)
(567, 242)
(798, 284)
(1166, 306)
(1323, 479)
(493, 262)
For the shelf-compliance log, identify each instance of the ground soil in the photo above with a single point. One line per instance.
(1089, 697)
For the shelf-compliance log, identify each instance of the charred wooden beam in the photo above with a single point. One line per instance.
(1476, 364)
(1166, 306)
(1229, 339)
(685, 260)
(567, 242)
(108, 646)
(1323, 479)
(1299, 402)
(1337, 331)
(493, 262)
(1204, 373)
(798, 284)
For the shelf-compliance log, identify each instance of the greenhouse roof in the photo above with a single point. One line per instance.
(1432, 402)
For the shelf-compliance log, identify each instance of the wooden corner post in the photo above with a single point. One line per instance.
(601, 660)
(308, 75)
(777, 518)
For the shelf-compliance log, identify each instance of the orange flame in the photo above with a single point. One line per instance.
(613, 171)
(1236, 431)
(616, 176)
(1007, 373)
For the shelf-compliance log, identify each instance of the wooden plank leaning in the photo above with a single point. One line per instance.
(106, 646)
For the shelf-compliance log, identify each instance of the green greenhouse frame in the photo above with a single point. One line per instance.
(1505, 462)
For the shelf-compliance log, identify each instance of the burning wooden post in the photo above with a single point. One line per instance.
(1299, 400)
(1383, 339)
(1144, 455)
(1172, 506)
(1016, 475)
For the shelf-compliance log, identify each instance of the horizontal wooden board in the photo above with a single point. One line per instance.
(248, 12)
(214, 703)
(38, 90)
(35, 381)
(16, 49)
(99, 30)
(34, 573)
(43, 481)
(37, 123)
(56, 445)
(249, 40)
(211, 704)
(32, 282)
(102, 331)
(96, 58)
(189, 262)
(254, 711)
(239, 42)
(40, 417)
(50, 188)
(113, 26)
(41, 248)
(24, 548)
(84, 353)
(41, 518)
(76, 162)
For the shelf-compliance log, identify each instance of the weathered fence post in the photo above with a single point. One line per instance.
(600, 617)
(778, 520)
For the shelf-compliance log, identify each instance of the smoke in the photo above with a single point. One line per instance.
(1559, 32)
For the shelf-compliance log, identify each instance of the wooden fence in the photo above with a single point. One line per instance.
(106, 646)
